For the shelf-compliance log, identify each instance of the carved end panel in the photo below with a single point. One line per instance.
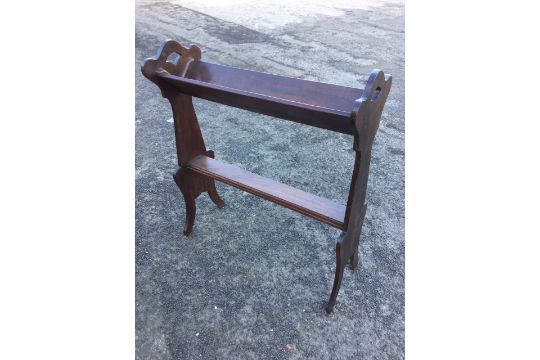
(368, 109)
(175, 66)
(366, 117)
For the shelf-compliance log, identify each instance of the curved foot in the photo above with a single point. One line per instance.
(337, 280)
(190, 214)
(335, 289)
(215, 197)
(184, 183)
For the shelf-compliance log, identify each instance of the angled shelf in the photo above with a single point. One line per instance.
(312, 103)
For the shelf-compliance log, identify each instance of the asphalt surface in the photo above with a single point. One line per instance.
(252, 279)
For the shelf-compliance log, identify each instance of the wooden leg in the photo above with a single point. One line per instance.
(340, 266)
(185, 182)
(191, 209)
(192, 185)
(346, 250)
(212, 192)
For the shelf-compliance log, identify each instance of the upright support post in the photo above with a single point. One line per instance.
(366, 116)
(189, 140)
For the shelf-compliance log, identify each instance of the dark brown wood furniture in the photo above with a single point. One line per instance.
(338, 108)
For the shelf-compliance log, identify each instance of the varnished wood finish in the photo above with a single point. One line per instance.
(309, 114)
(305, 203)
(318, 104)
(342, 109)
(324, 96)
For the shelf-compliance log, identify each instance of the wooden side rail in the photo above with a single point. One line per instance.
(342, 109)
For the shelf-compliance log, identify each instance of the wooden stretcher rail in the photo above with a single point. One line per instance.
(338, 108)
(305, 203)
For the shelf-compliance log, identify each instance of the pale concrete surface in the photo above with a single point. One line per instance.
(252, 280)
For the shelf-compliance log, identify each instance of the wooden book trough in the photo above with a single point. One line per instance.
(338, 108)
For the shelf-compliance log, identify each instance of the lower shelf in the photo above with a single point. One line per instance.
(305, 203)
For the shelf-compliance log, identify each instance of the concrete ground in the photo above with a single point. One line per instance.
(252, 280)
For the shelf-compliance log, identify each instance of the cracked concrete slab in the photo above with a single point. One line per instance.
(253, 278)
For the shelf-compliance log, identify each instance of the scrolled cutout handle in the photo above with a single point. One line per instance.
(159, 62)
